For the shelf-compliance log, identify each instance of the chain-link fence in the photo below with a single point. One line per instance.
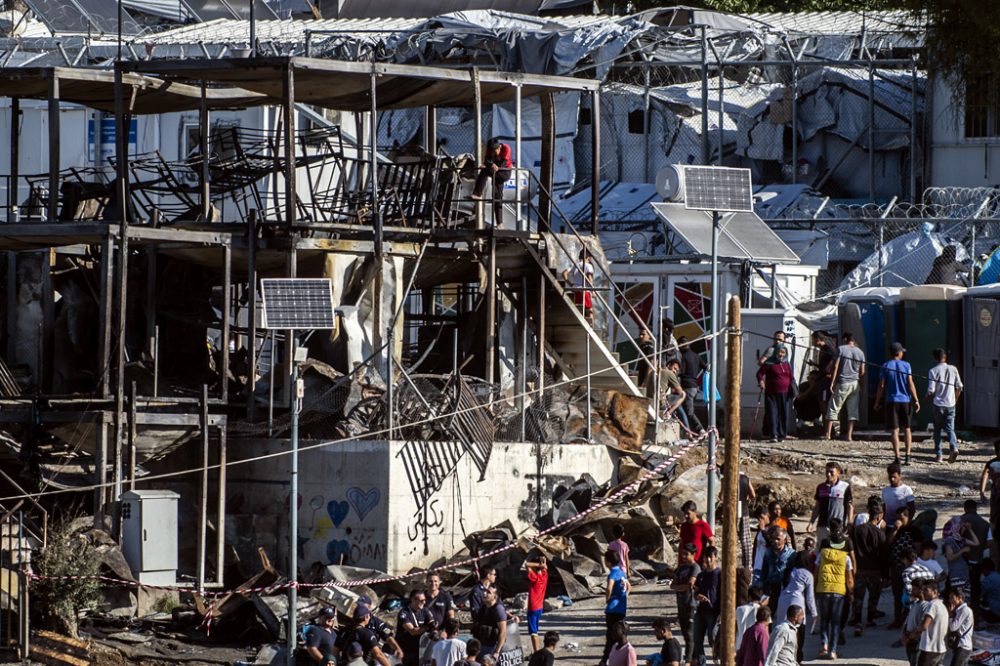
(851, 129)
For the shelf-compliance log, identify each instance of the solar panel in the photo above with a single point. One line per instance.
(297, 303)
(741, 235)
(717, 189)
(83, 16)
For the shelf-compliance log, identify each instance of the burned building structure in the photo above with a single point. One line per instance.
(454, 388)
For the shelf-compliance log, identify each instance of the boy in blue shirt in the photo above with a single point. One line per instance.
(901, 401)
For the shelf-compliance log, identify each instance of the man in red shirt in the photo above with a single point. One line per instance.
(538, 581)
(496, 165)
(694, 530)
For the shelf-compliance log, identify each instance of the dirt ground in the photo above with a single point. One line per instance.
(790, 471)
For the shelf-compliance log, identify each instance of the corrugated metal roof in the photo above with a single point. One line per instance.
(840, 23)
(294, 31)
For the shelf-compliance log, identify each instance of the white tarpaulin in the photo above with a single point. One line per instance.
(905, 261)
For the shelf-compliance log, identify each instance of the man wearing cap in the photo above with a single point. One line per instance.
(355, 654)
(901, 400)
(414, 621)
(321, 638)
(358, 632)
(382, 631)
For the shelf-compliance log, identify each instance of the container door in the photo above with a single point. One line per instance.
(925, 329)
(873, 324)
(982, 363)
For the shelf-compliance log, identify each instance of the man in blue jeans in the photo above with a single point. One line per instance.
(944, 387)
(901, 400)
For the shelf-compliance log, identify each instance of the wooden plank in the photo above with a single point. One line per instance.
(47, 656)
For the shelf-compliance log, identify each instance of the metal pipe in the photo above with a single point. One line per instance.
(774, 286)
(15, 159)
(517, 159)
(523, 369)
(589, 433)
(595, 172)
(132, 433)
(913, 132)
(389, 388)
(478, 111)
(704, 96)
(121, 138)
(203, 493)
(713, 377)
(227, 269)
(270, 391)
(220, 518)
(252, 310)
(253, 29)
(53, 117)
(204, 175)
(293, 508)
(156, 361)
(871, 132)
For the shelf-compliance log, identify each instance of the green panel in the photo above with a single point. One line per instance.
(925, 328)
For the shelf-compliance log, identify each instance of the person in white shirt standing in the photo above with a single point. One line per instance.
(897, 494)
(932, 630)
(959, 628)
(450, 648)
(944, 387)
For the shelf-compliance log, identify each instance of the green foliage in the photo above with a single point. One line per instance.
(58, 602)
(963, 38)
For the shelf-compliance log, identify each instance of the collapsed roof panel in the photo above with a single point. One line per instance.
(83, 16)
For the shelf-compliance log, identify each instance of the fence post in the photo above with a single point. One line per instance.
(704, 96)
(871, 138)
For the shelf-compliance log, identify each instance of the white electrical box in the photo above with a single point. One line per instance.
(149, 535)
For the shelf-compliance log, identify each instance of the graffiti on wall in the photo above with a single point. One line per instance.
(336, 532)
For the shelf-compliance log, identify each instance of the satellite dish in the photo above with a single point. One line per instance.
(670, 183)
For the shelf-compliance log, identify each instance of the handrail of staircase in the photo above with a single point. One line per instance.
(34, 503)
(595, 292)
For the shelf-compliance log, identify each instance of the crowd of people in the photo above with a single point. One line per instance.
(831, 581)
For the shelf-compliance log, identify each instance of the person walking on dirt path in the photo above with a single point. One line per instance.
(834, 577)
(784, 639)
(616, 601)
(683, 585)
(897, 495)
(833, 500)
(845, 380)
(991, 473)
(960, 626)
(538, 580)
(770, 354)
(753, 645)
(901, 400)
(944, 388)
(777, 560)
(800, 590)
(692, 367)
(981, 528)
(706, 593)
(619, 546)
(933, 627)
(695, 530)
(777, 380)
(776, 517)
(869, 548)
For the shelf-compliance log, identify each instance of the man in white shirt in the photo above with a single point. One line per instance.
(449, 649)
(931, 646)
(784, 639)
(897, 494)
(746, 615)
(944, 387)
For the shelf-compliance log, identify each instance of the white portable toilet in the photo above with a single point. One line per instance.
(149, 535)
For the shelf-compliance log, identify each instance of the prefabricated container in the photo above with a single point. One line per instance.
(981, 312)
(931, 317)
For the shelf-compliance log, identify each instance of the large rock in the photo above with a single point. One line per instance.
(691, 484)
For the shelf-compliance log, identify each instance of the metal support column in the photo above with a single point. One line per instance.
(704, 96)
(713, 378)
(53, 118)
(15, 159)
(913, 132)
(227, 269)
(204, 176)
(220, 517)
(478, 111)
(203, 491)
(121, 140)
(871, 132)
(517, 162)
(252, 311)
(595, 172)
(293, 507)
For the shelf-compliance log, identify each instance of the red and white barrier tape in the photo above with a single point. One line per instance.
(270, 589)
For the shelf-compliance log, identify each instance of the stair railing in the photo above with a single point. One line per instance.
(574, 261)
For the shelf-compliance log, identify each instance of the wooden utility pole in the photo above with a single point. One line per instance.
(730, 487)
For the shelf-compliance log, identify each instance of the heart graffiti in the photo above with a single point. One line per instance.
(338, 511)
(363, 502)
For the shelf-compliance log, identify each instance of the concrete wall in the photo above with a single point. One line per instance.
(954, 160)
(394, 505)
